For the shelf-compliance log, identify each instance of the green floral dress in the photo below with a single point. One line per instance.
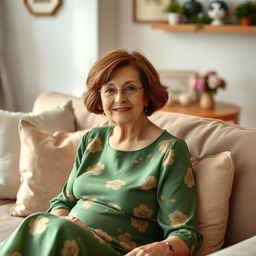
(126, 198)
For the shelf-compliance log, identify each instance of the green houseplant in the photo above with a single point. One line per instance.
(174, 10)
(245, 12)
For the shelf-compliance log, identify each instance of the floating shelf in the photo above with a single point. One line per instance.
(209, 28)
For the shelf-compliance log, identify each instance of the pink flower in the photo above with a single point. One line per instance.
(200, 84)
(213, 81)
(209, 81)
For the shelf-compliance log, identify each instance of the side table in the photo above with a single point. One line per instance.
(222, 110)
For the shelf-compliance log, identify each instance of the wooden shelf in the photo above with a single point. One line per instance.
(209, 28)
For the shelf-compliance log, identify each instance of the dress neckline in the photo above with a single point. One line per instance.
(137, 150)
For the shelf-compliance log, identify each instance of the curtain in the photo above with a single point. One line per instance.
(6, 97)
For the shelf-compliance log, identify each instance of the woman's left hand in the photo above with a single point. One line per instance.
(157, 248)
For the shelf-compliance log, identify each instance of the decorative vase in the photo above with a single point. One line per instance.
(217, 11)
(192, 9)
(173, 18)
(207, 101)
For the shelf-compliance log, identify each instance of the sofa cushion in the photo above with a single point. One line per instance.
(7, 223)
(214, 178)
(45, 163)
(57, 118)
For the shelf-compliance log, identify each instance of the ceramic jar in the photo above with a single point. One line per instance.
(207, 101)
(192, 8)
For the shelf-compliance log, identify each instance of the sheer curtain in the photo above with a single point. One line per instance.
(6, 98)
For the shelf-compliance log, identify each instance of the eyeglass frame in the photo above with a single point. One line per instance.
(122, 92)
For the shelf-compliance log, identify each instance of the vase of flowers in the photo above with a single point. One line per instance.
(208, 83)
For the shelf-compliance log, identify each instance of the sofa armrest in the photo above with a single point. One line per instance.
(246, 247)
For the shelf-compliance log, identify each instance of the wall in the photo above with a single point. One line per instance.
(49, 53)
(232, 55)
(55, 53)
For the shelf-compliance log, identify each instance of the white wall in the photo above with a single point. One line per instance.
(49, 53)
(55, 53)
(232, 55)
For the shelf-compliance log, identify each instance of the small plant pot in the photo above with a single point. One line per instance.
(245, 21)
(173, 18)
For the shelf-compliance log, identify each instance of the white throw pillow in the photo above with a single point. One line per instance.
(214, 179)
(45, 163)
(54, 119)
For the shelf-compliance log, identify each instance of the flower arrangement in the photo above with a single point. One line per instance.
(209, 81)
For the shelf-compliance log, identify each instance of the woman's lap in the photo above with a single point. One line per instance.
(50, 235)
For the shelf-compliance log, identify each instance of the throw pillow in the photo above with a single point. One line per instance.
(57, 118)
(214, 178)
(45, 163)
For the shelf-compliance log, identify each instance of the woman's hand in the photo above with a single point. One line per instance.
(157, 248)
(75, 220)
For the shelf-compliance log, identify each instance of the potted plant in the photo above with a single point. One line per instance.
(245, 12)
(174, 10)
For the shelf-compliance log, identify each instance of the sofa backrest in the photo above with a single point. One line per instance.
(204, 137)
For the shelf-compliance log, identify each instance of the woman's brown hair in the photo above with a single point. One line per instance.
(102, 72)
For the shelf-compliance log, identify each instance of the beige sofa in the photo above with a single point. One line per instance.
(204, 137)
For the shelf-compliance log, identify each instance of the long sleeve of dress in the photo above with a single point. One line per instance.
(177, 196)
(66, 199)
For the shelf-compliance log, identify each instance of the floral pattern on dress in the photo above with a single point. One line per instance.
(37, 225)
(104, 235)
(94, 145)
(141, 159)
(89, 202)
(177, 218)
(149, 183)
(168, 157)
(163, 145)
(96, 169)
(70, 248)
(142, 211)
(115, 184)
(126, 241)
(141, 225)
(68, 195)
(189, 178)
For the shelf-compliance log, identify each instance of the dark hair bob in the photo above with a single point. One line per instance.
(102, 72)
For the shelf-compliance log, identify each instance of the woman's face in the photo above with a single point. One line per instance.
(123, 98)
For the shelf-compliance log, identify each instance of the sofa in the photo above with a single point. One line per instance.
(224, 159)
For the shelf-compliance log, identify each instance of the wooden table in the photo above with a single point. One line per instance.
(222, 110)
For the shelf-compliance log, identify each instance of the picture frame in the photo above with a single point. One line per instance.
(149, 11)
(42, 7)
(180, 85)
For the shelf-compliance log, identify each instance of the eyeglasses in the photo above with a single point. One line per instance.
(127, 90)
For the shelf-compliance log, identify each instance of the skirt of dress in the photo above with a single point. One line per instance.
(45, 234)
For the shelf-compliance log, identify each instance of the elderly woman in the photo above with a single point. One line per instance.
(131, 190)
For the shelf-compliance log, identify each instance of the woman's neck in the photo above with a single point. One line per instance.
(134, 136)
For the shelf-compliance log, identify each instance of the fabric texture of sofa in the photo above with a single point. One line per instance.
(205, 138)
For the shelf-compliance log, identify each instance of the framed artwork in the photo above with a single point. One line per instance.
(179, 83)
(42, 7)
(149, 11)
